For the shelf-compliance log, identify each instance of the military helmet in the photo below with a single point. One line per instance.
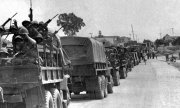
(34, 23)
(26, 23)
(18, 39)
(41, 23)
(23, 30)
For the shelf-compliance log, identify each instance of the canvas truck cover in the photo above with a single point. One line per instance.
(83, 50)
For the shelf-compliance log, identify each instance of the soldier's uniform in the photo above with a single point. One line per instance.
(24, 46)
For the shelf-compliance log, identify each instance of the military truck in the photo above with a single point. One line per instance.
(90, 68)
(123, 62)
(35, 83)
(112, 57)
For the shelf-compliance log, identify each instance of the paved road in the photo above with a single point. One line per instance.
(154, 85)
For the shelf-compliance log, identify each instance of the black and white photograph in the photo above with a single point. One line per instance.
(89, 53)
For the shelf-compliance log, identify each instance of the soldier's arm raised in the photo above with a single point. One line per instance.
(31, 40)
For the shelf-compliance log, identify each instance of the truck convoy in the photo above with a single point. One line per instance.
(90, 68)
(112, 57)
(42, 70)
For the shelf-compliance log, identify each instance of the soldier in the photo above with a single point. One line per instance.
(24, 45)
(144, 57)
(33, 32)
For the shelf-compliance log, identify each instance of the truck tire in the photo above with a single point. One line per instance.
(132, 65)
(110, 85)
(105, 82)
(116, 78)
(130, 69)
(123, 73)
(57, 98)
(99, 91)
(48, 100)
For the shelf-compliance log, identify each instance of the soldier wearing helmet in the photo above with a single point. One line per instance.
(33, 32)
(43, 29)
(23, 44)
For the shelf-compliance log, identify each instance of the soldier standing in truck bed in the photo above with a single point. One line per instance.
(24, 46)
(32, 29)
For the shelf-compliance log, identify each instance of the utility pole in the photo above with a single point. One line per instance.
(160, 35)
(132, 31)
(172, 31)
(91, 34)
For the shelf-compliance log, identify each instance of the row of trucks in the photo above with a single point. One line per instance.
(62, 66)
(95, 68)
(70, 65)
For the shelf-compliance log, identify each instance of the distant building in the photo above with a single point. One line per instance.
(124, 39)
(169, 39)
(112, 40)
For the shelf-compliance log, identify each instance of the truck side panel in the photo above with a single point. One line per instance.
(19, 74)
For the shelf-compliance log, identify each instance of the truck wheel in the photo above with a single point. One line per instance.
(123, 73)
(48, 100)
(130, 69)
(132, 65)
(99, 92)
(105, 81)
(126, 73)
(110, 85)
(116, 79)
(57, 98)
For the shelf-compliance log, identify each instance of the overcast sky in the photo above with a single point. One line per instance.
(112, 17)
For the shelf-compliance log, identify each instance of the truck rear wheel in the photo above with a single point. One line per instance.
(130, 69)
(99, 92)
(48, 100)
(123, 73)
(105, 82)
(116, 78)
(57, 98)
(110, 85)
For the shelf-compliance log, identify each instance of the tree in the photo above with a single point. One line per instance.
(70, 23)
(176, 41)
(146, 41)
(159, 42)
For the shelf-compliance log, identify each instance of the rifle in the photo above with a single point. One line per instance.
(43, 27)
(47, 22)
(31, 12)
(57, 31)
(8, 20)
